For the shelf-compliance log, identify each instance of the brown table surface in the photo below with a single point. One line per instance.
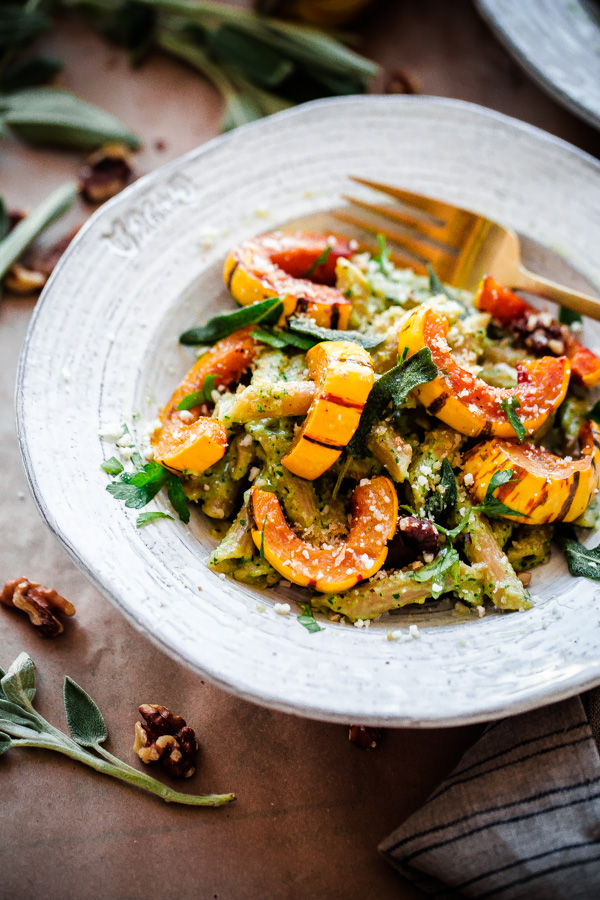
(312, 807)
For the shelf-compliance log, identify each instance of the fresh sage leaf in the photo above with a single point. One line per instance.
(179, 501)
(84, 719)
(510, 405)
(18, 684)
(54, 206)
(30, 73)
(308, 621)
(255, 57)
(307, 326)
(438, 501)
(112, 466)
(20, 24)
(582, 561)
(146, 518)
(568, 316)
(225, 324)
(51, 116)
(393, 387)
(22, 727)
(3, 219)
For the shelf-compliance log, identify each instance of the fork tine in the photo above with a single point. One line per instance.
(426, 229)
(419, 250)
(405, 258)
(435, 208)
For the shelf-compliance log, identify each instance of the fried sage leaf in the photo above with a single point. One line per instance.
(266, 311)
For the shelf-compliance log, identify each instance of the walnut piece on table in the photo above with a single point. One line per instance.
(167, 738)
(40, 603)
(364, 736)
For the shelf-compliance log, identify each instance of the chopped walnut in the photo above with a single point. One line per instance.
(400, 82)
(167, 738)
(40, 603)
(541, 333)
(107, 172)
(21, 280)
(419, 533)
(364, 736)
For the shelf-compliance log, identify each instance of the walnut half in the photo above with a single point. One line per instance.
(167, 738)
(40, 603)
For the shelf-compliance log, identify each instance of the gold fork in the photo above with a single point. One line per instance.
(461, 246)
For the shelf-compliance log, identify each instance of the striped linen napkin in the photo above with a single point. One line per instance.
(519, 817)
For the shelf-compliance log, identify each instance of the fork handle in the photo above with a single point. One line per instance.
(576, 301)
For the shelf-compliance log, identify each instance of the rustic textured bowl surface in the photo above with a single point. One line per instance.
(557, 42)
(102, 348)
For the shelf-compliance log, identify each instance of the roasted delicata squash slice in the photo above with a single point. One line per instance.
(374, 508)
(190, 441)
(191, 448)
(467, 403)
(285, 265)
(343, 375)
(543, 488)
(509, 308)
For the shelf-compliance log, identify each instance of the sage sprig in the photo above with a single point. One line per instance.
(22, 726)
(15, 243)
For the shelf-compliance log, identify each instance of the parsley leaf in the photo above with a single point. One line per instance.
(178, 498)
(112, 466)
(383, 257)
(393, 387)
(308, 620)
(567, 316)
(447, 562)
(439, 502)
(319, 261)
(307, 326)
(582, 561)
(266, 311)
(135, 497)
(491, 506)
(509, 405)
(145, 518)
(281, 339)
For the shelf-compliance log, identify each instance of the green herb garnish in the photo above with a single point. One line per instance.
(145, 518)
(196, 398)
(447, 562)
(582, 561)
(491, 506)
(139, 487)
(262, 540)
(393, 387)
(266, 311)
(22, 726)
(594, 412)
(319, 261)
(440, 501)
(307, 326)
(112, 466)
(509, 405)
(382, 258)
(568, 316)
(308, 621)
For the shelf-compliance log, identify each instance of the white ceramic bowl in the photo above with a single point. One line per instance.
(102, 347)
